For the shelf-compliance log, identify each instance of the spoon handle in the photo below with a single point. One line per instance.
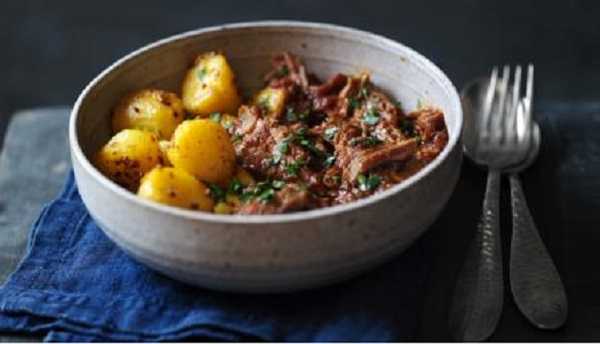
(534, 280)
(478, 295)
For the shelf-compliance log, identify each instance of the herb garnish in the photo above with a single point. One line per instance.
(368, 141)
(293, 167)
(305, 142)
(363, 92)
(201, 74)
(264, 104)
(329, 161)
(215, 117)
(283, 71)
(330, 133)
(237, 138)
(263, 191)
(368, 183)
(371, 117)
(235, 186)
(292, 116)
(280, 150)
(216, 192)
(266, 195)
(353, 103)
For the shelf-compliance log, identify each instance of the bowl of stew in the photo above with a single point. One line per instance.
(267, 156)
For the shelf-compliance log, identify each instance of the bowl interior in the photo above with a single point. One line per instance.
(325, 50)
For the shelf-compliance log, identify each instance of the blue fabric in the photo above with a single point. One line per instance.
(75, 285)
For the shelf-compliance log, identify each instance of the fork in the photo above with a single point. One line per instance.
(489, 142)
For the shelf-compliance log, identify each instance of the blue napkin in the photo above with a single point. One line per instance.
(74, 284)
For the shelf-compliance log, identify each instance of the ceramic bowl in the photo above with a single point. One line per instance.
(267, 253)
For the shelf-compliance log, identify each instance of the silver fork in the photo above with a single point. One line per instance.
(534, 280)
(488, 141)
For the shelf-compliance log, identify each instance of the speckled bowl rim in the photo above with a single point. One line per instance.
(383, 42)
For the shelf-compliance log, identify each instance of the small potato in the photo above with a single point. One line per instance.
(175, 187)
(203, 148)
(128, 156)
(223, 208)
(156, 111)
(209, 86)
(271, 101)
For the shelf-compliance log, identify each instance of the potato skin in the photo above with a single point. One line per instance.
(128, 156)
(271, 101)
(203, 148)
(175, 187)
(153, 110)
(209, 86)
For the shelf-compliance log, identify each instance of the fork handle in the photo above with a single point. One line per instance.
(478, 295)
(534, 280)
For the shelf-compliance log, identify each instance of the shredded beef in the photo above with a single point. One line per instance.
(339, 132)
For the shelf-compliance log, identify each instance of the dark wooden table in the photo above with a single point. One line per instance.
(50, 51)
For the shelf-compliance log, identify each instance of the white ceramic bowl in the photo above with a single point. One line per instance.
(267, 253)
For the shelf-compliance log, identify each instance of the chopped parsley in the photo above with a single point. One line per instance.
(371, 117)
(263, 191)
(227, 123)
(363, 92)
(216, 192)
(292, 116)
(237, 138)
(202, 73)
(283, 71)
(264, 104)
(329, 161)
(215, 117)
(235, 186)
(277, 184)
(281, 149)
(304, 141)
(266, 195)
(330, 133)
(353, 103)
(293, 168)
(368, 141)
(368, 183)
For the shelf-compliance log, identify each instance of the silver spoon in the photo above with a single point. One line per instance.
(489, 110)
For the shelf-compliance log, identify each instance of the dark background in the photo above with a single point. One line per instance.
(51, 49)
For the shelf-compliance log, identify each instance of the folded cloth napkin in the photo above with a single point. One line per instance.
(75, 285)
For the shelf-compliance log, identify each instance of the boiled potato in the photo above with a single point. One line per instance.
(176, 187)
(128, 156)
(156, 111)
(271, 101)
(223, 208)
(209, 86)
(203, 148)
